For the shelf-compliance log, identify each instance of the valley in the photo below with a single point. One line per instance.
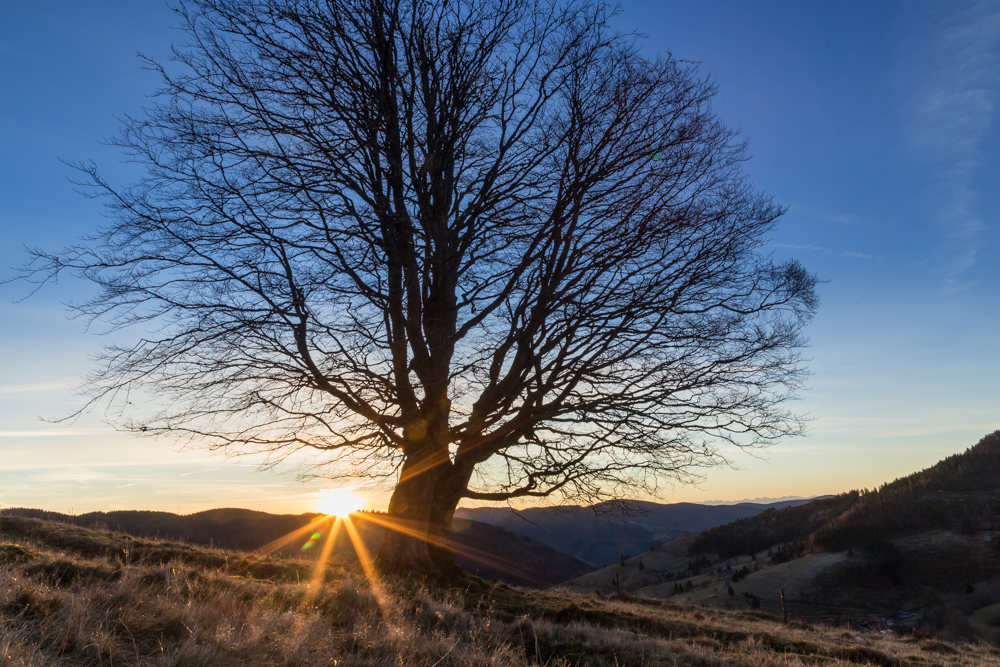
(921, 552)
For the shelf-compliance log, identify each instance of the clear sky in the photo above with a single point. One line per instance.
(874, 122)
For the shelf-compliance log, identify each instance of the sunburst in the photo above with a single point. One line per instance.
(337, 502)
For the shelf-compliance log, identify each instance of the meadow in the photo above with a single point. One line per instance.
(72, 596)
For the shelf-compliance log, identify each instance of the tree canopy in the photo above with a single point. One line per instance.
(484, 247)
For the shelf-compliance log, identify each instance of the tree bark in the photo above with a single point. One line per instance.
(448, 494)
(417, 535)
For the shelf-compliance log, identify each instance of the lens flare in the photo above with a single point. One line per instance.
(337, 502)
(312, 541)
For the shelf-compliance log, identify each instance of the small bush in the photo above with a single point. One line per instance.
(15, 553)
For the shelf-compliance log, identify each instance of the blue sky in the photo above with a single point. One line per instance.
(875, 123)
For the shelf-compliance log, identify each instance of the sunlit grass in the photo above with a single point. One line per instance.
(321, 563)
(68, 597)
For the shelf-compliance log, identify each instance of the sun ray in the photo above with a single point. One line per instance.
(367, 564)
(287, 539)
(320, 570)
(397, 633)
(483, 557)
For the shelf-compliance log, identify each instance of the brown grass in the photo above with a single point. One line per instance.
(74, 597)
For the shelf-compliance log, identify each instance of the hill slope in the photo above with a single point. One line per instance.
(489, 551)
(960, 493)
(926, 546)
(750, 535)
(75, 597)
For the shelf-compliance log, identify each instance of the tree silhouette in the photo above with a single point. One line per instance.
(482, 247)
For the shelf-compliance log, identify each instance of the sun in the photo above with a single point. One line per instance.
(337, 502)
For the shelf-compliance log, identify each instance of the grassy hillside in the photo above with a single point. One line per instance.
(488, 551)
(669, 557)
(76, 597)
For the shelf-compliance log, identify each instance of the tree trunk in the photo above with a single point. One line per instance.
(417, 535)
(449, 492)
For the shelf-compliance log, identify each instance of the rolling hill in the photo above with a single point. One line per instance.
(491, 552)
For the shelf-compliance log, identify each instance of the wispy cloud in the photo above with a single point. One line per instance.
(54, 433)
(36, 387)
(75, 475)
(953, 112)
(799, 246)
(888, 429)
(825, 216)
(853, 254)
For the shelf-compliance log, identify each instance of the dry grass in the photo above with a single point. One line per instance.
(74, 597)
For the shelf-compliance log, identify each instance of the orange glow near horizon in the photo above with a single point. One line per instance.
(293, 536)
(331, 524)
(365, 559)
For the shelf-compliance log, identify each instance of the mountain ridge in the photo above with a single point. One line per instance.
(601, 534)
(959, 493)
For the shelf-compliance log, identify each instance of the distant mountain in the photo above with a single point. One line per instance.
(960, 493)
(489, 551)
(759, 501)
(599, 535)
(226, 528)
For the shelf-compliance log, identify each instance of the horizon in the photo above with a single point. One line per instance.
(875, 125)
(72, 512)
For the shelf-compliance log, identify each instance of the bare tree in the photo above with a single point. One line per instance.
(483, 245)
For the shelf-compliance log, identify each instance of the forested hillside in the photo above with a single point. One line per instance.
(745, 537)
(961, 493)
